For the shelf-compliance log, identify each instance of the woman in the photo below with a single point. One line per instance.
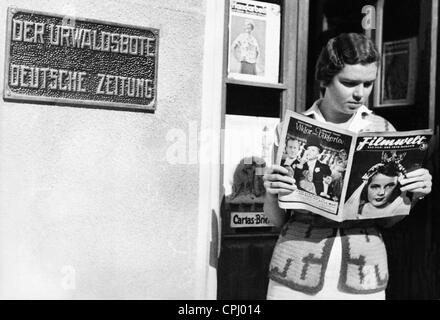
(379, 194)
(338, 167)
(316, 258)
(246, 49)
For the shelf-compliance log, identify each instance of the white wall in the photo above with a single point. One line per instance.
(89, 206)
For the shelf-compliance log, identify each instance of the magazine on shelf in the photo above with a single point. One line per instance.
(254, 41)
(343, 175)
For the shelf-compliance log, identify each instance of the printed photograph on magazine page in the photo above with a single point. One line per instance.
(316, 157)
(379, 162)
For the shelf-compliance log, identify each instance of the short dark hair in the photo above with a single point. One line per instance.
(289, 138)
(346, 48)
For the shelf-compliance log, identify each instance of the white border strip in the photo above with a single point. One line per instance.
(210, 139)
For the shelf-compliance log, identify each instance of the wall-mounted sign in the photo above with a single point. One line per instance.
(249, 219)
(67, 60)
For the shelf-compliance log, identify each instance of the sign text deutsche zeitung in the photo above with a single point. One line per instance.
(79, 61)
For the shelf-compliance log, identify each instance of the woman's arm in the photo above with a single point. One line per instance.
(276, 181)
(273, 212)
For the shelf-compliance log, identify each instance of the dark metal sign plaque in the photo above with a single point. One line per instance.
(67, 60)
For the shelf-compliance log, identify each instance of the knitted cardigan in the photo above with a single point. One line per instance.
(301, 254)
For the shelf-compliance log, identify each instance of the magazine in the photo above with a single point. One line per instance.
(254, 41)
(343, 175)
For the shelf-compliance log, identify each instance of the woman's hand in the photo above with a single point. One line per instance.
(277, 181)
(419, 182)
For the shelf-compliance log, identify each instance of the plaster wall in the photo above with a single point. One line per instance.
(90, 206)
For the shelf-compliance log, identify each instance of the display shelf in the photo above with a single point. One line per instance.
(279, 86)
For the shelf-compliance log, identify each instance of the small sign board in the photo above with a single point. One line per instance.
(58, 59)
(249, 219)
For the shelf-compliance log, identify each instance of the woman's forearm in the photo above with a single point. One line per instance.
(273, 212)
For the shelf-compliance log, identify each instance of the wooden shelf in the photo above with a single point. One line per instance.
(273, 235)
(279, 86)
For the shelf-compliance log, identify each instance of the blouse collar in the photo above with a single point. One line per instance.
(357, 123)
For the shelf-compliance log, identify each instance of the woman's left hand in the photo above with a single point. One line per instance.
(419, 182)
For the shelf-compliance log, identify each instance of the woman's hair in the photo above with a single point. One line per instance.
(390, 169)
(346, 48)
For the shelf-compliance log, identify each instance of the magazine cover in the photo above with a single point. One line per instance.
(254, 41)
(379, 161)
(342, 175)
(316, 156)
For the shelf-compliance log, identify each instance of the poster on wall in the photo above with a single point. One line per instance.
(398, 73)
(254, 41)
(248, 150)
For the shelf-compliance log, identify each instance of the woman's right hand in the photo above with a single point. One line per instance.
(277, 181)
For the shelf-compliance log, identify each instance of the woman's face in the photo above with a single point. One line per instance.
(350, 88)
(380, 189)
(340, 165)
(248, 27)
(343, 155)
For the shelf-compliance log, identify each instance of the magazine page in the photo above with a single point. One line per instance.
(316, 156)
(254, 41)
(379, 161)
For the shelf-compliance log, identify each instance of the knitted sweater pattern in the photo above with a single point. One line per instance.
(302, 252)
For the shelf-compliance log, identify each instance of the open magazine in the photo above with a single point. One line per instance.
(343, 175)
